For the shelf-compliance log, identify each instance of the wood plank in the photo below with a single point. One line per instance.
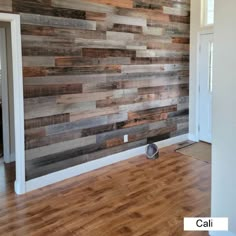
(61, 32)
(175, 11)
(170, 46)
(50, 90)
(181, 19)
(181, 40)
(151, 4)
(123, 36)
(127, 28)
(154, 104)
(57, 109)
(46, 121)
(154, 68)
(153, 31)
(61, 79)
(58, 147)
(90, 69)
(127, 20)
(83, 5)
(102, 53)
(144, 14)
(151, 112)
(115, 3)
(44, 8)
(57, 21)
(42, 141)
(50, 51)
(76, 61)
(30, 61)
(74, 116)
(6, 5)
(161, 53)
(95, 16)
(109, 43)
(74, 98)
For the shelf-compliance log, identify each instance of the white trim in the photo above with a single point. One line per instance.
(221, 233)
(18, 103)
(193, 138)
(93, 165)
(196, 29)
(4, 96)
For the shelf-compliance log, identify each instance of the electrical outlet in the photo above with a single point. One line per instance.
(126, 138)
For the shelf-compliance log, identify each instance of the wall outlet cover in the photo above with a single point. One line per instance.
(126, 138)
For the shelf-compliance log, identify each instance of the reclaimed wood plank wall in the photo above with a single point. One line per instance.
(96, 70)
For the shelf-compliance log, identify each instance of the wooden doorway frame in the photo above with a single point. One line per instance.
(16, 100)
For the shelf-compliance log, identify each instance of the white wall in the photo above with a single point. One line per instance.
(195, 28)
(224, 113)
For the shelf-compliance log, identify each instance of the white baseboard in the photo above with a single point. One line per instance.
(93, 165)
(19, 188)
(221, 233)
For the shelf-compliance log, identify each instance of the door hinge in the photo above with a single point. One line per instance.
(200, 48)
(198, 128)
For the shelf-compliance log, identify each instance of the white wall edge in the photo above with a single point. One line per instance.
(221, 233)
(93, 165)
(18, 151)
(193, 137)
(19, 187)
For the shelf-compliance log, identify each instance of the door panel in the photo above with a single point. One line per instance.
(205, 87)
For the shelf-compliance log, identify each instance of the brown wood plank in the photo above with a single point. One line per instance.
(46, 121)
(61, 32)
(50, 90)
(91, 69)
(95, 16)
(100, 53)
(44, 8)
(127, 28)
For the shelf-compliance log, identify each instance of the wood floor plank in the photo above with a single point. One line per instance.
(136, 197)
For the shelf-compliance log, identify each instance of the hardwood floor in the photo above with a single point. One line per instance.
(138, 197)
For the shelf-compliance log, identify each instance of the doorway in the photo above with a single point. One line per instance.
(12, 96)
(205, 87)
(4, 109)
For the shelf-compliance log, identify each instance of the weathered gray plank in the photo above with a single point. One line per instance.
(59, 147)
(57, 21)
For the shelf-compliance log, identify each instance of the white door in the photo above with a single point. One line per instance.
(205, 87)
